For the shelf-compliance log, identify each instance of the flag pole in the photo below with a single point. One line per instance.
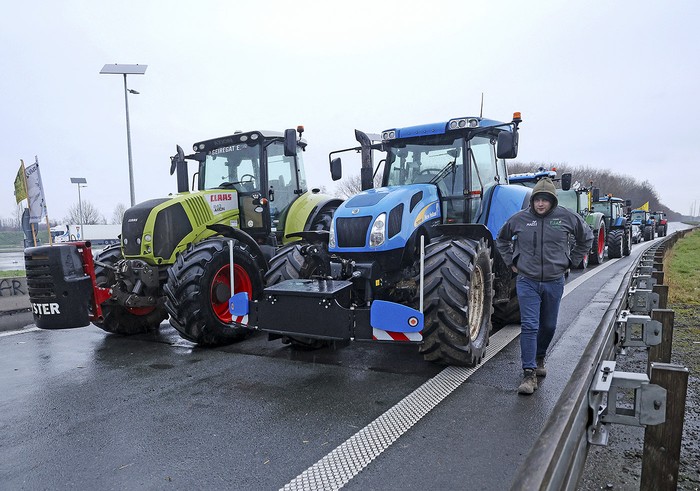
(46, 207)
(26, 186)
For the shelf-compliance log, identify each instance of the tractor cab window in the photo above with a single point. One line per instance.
(283, 184)
(603, 207)
(233, 167)
(435, 161)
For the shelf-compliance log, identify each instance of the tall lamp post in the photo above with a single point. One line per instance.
(118, 69)
(79, 181)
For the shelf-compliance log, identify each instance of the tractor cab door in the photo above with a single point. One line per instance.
(285, 185)
(483, 174)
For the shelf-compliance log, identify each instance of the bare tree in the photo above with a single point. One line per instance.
(118, 213)
(90, 214)
(352, 185)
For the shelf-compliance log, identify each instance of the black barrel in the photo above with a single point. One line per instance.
(60, 292)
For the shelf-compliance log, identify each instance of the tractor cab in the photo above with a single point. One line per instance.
(259, 173)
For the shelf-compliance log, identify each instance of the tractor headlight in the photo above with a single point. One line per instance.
(389, 135)
(459, 123)
(331, 236)
(378, 233)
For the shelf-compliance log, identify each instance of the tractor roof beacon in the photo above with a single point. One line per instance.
(412, 260)
(249, 191)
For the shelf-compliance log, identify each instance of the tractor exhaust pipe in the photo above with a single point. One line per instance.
(367, 169)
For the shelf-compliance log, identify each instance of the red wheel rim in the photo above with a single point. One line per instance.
(601, 241)
(140, 310)
(242, 283)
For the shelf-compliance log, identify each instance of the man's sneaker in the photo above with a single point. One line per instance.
(529, 383)
(541, 370)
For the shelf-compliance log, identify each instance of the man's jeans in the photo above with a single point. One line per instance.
(539, 308)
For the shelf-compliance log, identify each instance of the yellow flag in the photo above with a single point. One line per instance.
(20, 187)
(645, 206)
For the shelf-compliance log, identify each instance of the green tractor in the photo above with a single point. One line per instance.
(249, 193)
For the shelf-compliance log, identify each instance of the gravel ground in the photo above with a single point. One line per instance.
(618, 466)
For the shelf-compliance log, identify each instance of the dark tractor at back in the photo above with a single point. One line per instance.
(412, 260)
(661, 221)
(615, 210)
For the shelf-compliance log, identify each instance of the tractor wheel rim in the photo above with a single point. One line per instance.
(601, 242)
(140, 310)
(476, 303)
(242, 283)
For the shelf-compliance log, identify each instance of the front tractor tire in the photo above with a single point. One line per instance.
(458, 301)
(116, 318)
(199, 287)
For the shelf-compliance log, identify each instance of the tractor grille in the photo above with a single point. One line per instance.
(133, 224)
(352, 232)
(198, 210)
(172, 225)
(395, 218)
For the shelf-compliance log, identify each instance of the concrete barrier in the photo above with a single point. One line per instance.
(15, 311)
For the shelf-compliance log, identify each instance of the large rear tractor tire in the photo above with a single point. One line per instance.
(648, 233)
(117, 318)
(290, 264)
(598, 246)
(615, 243)
(199, 287)
(458, 301)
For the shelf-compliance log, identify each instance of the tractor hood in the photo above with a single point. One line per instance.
(383, 219)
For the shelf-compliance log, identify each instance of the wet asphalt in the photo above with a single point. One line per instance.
(83, 409)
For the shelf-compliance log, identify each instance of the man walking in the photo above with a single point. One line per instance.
(535, 244)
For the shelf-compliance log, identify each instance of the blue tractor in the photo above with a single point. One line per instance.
(412, 260)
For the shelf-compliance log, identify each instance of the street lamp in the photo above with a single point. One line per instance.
(117, 69)
(79, 181)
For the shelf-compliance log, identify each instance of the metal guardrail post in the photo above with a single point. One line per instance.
(661, 353)
(658, 276)
(662, 443)
(662, 291)
(558, 456)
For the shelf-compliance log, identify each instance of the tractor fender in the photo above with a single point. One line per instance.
(305, 209)
(502, 202)
(240, 235)
(595, 220)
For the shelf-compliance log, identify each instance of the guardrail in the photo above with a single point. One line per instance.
(578, 419)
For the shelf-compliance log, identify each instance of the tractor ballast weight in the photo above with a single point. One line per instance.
(412, 260)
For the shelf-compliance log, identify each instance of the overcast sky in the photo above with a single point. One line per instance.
(606, 84)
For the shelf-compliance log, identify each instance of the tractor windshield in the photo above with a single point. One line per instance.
(603, 207)
(423, 161)
(233, 167)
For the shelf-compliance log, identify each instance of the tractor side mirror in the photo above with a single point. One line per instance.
(336, 169)
(507, 144)
(595, 194)
(290, 142)
(566, 181)
(628, 203)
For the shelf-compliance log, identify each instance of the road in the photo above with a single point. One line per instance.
(82, 409)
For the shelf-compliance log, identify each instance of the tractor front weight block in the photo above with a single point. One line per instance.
(321, 309)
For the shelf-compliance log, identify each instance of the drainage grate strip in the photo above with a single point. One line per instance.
(338, 467)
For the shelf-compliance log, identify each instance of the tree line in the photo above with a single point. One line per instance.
(608, 182)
